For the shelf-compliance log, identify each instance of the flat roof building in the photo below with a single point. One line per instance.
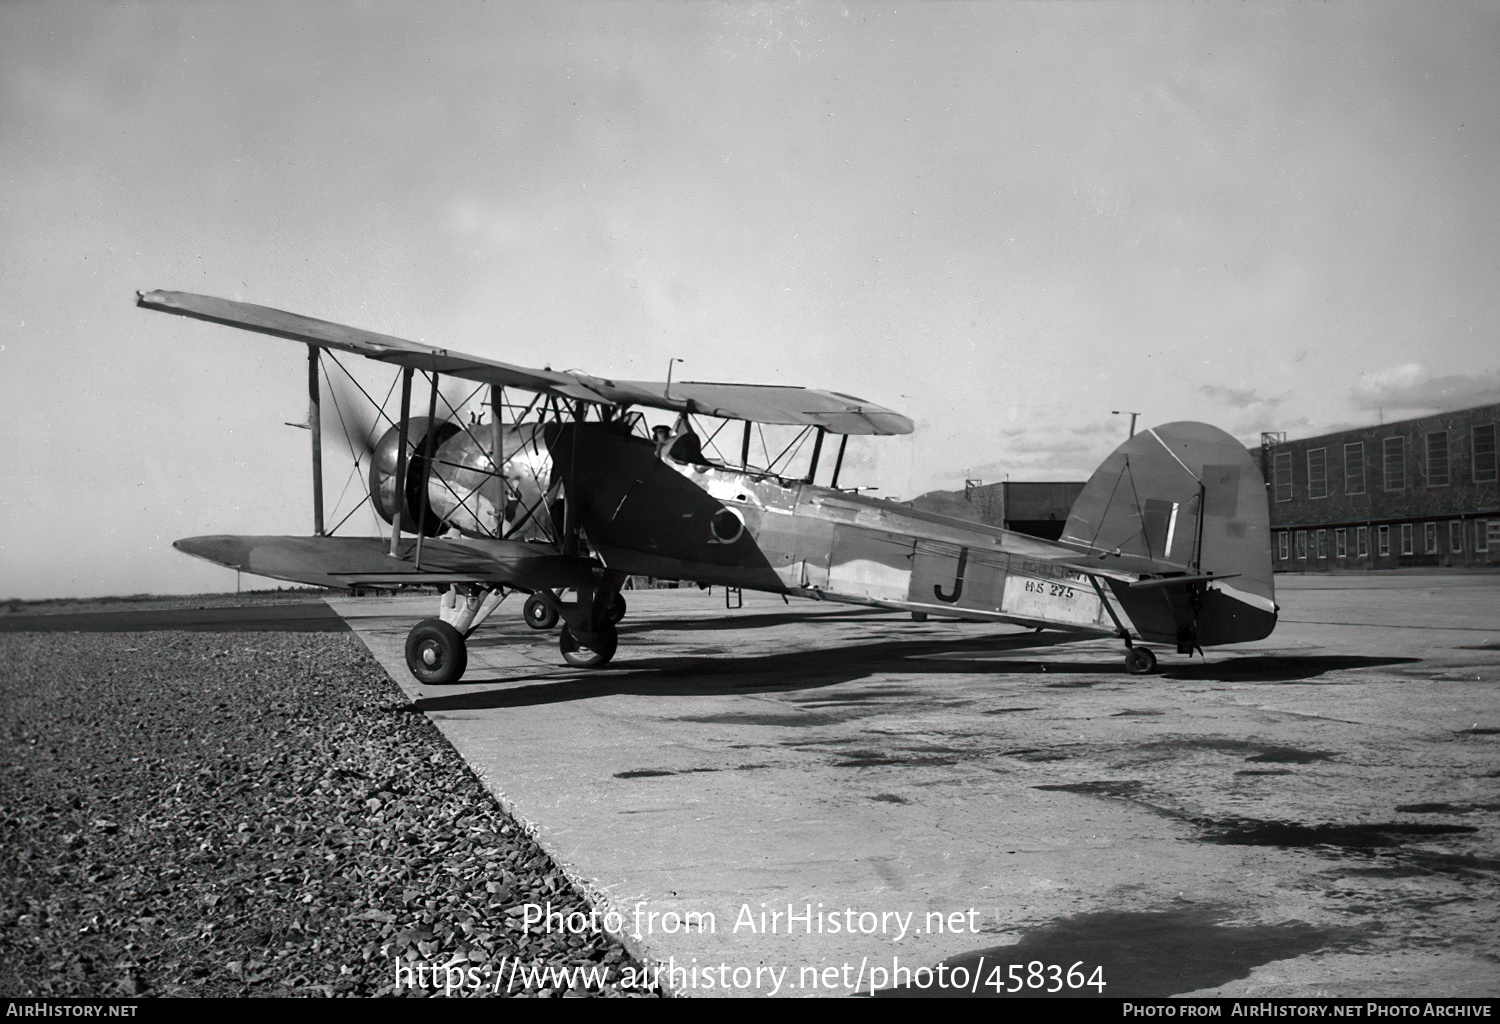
(1037, 508)
(1421, 491)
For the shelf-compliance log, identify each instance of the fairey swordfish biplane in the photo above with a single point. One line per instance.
(1168, 543)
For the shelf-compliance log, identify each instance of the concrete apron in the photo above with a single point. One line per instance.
(873, 783)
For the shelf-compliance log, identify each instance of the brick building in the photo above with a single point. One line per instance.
(1417, 492)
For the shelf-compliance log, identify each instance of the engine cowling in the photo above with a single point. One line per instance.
(459, 488)
(414, 505)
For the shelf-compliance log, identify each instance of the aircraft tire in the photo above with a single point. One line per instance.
(1140, 660)
(617, 608)
(538, 613)
(436, 652)
(597, 656)
(919, 616)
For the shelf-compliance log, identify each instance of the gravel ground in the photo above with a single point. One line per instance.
(250, 814)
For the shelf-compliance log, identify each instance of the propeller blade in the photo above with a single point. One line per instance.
(354, 421)
(454, 393)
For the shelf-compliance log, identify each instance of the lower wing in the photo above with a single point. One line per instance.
(347, 561)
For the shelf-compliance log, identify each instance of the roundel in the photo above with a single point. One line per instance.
(727, 525)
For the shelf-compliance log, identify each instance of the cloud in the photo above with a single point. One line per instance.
(1249, 427)
(1410, 387)
(1111, 427)
(1038, 457)
(1240, 398)
(1038, 443)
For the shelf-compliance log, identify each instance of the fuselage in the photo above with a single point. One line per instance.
(645, 513)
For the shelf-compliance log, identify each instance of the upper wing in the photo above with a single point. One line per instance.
(761, 403)
(841, 414)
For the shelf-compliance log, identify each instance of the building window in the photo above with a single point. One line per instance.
(1283, 546)
(1482, 537)
(1317, 473)
(1322, 543)
(1456, 536)
(1354, 468)
(1437, 459)
(1429, 538)
(1406, 548)
(1395, 463)
(1362, 542)
(1301, 545)
(1341, 543)
(1484, 454)
(1384, 540)
(1283, 474)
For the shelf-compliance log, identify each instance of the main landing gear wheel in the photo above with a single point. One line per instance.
(617, 608)
(1140, 661)
(594, 656)
(539, 614)
(436, 652)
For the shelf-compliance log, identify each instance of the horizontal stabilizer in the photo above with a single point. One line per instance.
(1179, 581)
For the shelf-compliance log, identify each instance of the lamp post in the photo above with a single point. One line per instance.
(1126, 412)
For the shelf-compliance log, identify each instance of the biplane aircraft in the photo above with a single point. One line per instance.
(1168, 543)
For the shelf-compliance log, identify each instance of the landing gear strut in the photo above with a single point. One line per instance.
(435, 649)
(540, 615)
(1139, 661)
(588, 638)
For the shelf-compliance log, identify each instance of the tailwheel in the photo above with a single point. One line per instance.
(617, 608)
(436, 652)
(597, 654)
(539, 614)
(1140, 661)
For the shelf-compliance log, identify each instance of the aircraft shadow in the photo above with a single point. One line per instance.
(505, 636)
(756, 620)
(704, 675)
(1276, 668)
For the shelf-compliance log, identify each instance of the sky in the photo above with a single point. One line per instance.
(1004, 220)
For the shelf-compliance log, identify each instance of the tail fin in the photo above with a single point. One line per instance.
(1183, 498)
